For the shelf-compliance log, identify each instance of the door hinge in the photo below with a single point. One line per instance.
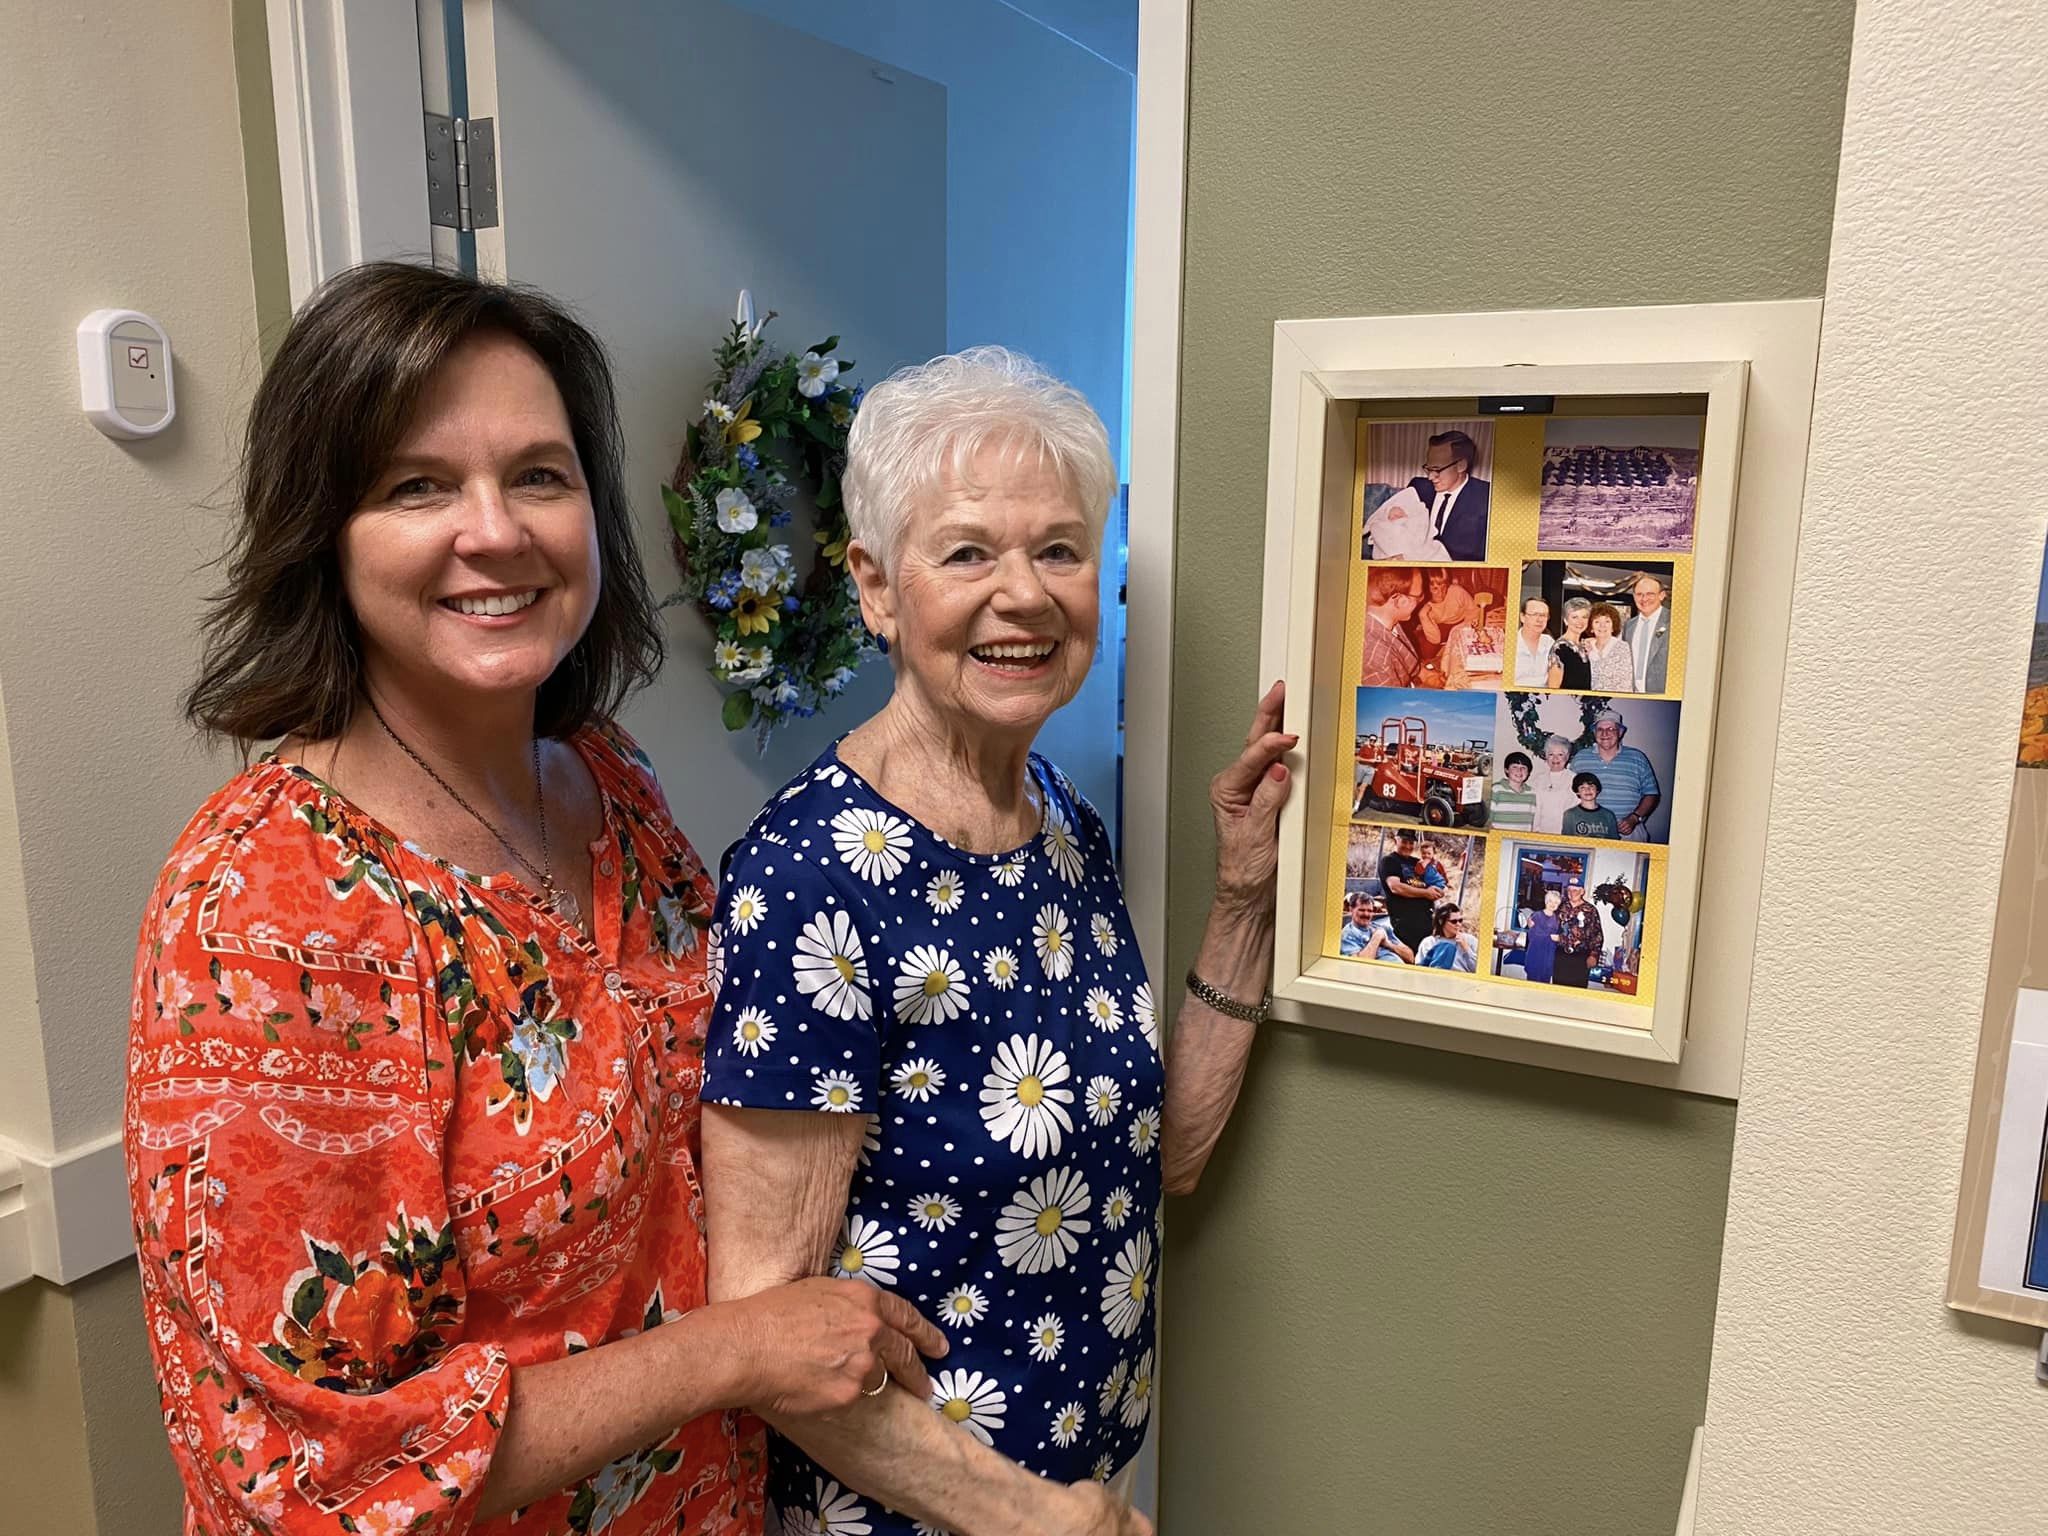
(462, 172)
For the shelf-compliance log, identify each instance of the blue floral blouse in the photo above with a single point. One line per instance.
(990, 1015)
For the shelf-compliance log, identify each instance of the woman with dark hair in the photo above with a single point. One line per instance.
(421, 994)
(1613, 664)
(1450, 945)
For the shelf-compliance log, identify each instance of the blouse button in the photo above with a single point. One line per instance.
(605, 869)
(614, 982)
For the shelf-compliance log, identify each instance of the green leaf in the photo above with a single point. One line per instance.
(307, 1301)
(737, 711)
(329, 1262)
(678, 510)
(825, 346)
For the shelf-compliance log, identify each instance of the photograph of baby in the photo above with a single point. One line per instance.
(1428, 490)
(1423, 756)
(1570, 917)
(1584, 765)
(1437, 627)
(1601, 628)
(1619, 482)
(1409, 897)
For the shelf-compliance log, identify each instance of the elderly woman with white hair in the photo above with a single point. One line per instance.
(935, 1062)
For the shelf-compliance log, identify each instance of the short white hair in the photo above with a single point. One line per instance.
(926, 423)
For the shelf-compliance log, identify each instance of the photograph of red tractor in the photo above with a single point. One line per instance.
(1401, 774)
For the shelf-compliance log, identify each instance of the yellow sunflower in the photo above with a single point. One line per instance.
(756, 613)
(742, 428)
(835, 549)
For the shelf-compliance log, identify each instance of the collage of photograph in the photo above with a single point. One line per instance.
(1518, 694)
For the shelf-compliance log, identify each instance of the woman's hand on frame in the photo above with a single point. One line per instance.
(819, 1345)
(1245, 799)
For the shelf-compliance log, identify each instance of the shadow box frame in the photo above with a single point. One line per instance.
(1728, 356)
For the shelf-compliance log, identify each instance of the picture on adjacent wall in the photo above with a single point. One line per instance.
(1434, 627)
(1423, 884)
(1423, 756)
(2034, 713)
(1604, 628)
(1571, 916)
(1598, 766)
(1619, 482)
(1428, 491)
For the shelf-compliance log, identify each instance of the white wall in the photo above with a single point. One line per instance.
(1844, 1397)
(1039, 117)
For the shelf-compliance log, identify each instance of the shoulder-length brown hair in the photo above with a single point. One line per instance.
(281, 655)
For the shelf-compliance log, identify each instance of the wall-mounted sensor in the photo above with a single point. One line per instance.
(124, 373)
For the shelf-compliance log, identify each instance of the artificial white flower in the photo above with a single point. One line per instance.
(1113, 1389)
(1022, 1101)
(837, 1093)
(830, 966)
(1066, 1425)
(1000, 967)
(1040, 1228)
(767, 570)
(1138, 1395)
(1047, 1335)
(1144, 1130)
(1104, 1098)
(836, 681)
(1010, 872)
(973, 1401)
(751, 673)
(749, 906)
(720, 412)
(736, 514)
(1148, 1021)
(935, 1212)
(867, 1251)
(930, 986)
(753, 1031)
(781, 693)
(1103, 1010)
(943, 893)
(1125, 1286)
(1116, 1210)
(725, 656)
(871, 843)
(1103, 931)
(1054, 942)
(814, 374)
(963, 1307)
(917, 1080)
(1062, 847)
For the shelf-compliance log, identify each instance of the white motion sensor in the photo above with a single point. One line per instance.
(124, 373)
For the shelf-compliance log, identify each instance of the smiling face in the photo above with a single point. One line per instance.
(472, 565)
(1535, 617)
(993, 601)
(1603, 627)
(1649, 595)
(1556, 754)
(1607, 737)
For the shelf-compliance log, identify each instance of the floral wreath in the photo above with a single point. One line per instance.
(772, 428)
(1530, 732)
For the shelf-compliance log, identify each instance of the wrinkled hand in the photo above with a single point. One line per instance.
(1098, 1512)
(818, 1345)
(1245, 799)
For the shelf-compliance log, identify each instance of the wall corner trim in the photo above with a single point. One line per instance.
(63, 1215)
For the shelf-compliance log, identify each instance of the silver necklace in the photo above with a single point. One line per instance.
(562, 901)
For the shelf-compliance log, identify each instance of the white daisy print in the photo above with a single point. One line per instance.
(870, 1140)
(870, 843)
(930, 986)
(1000, 967)
(1103, 1010)
(714, 958)
(1116, 1210)
(1141, 1010)
(837, 1093)
(1009, 873)
(1053, 939)
(1144, 1130)
(917, 1080)
(1105, 1097)
(1066, 1425)
(1125, 1286)
(1103, 932)
(1138, 1395)
(1047, 1335)
(1062, 847)
(867, 1251)
(1022, 1101)
(963, 1307)
(831, 968)
(1113, 1389)
(973, 1401)
(749, 906)
(839, 1512)
(753, 1031)
(943, 892)
(936, 1212)
(1040, 1228)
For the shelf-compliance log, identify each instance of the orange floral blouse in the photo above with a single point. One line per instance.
(393, 1129)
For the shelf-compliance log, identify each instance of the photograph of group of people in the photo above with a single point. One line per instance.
(1582, 765)
(1428, 491)
(1410, 897)
(1628, 482)
(1570, 917)
(1592, 627)
(1422, 756)
(1435, 626)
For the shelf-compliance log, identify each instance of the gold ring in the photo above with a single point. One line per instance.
(879, 1387)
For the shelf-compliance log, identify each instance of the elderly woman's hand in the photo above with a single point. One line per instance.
(1246, 798)
(819, 1346)
(1096, 1511)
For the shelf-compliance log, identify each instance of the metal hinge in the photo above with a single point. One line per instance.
(462, 172)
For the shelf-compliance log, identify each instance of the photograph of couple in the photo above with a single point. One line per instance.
(1629, 482)
(1409, 898)
(1579, 765)
(1571, 917)
(1422, 756)
(1599, 628)
(1434, 627)
(1428, 491)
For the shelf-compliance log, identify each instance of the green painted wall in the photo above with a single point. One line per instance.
(1421, 1293)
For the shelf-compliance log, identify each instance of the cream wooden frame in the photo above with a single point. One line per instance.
(1754, 363)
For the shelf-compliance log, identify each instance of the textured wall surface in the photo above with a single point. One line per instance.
(1845, 1398)
(1422, 1293)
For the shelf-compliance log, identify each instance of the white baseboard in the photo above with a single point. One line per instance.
(63, 1215)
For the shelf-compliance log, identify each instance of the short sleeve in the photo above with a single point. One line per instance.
(800, 1010)
(302, 1284)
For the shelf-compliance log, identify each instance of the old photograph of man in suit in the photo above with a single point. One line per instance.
(1428, 491)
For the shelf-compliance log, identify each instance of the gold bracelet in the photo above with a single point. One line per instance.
(1225, 1004)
